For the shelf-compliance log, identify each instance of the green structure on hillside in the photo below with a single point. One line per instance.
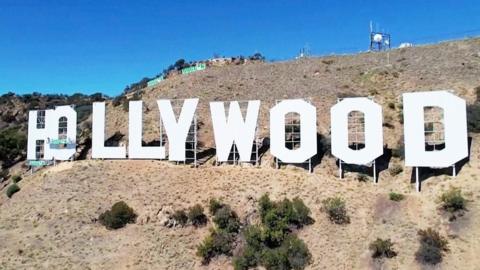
(197, 67)
(155, 81)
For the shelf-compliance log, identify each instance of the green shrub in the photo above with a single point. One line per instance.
(287, 212)
(217, 243)
(254, 237)
(395, 170)
(432, 246)
(13, 142)
(119, 216)
(126, 105)
(214, 205)
(336, 210)
(16, 178)
(274, 259)
(270, 244)
(12, 189)
(297, 252)
(265, 204)
(382, 248)
(452, 200)
(292, 254)
(196, 215)
(227, 220)
(429, 254)
(250, 258)
(302, 212)
(180, 217)
(396, 196)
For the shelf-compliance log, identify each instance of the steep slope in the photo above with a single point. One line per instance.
(51, 223)
(451, 65)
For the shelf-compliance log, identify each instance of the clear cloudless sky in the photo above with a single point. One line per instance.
(88, 46)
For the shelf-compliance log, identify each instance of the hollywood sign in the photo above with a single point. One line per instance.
(233, 128)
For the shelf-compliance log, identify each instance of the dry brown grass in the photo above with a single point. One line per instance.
(50, 223)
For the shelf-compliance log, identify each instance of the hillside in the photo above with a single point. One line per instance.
(52, 222)
(451, 65)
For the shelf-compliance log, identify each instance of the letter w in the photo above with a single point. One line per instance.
(235, 129)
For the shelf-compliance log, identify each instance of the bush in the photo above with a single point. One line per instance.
(119, 216)
(13, 142)
(297, 252)
(217, 243)
(452, 200)
(432, 246)
(214, 205)
(271, 244)
(382, 248)
(227, 220)
(288, 212)
(395, 170)
(180, 217)
(16, 178)
(336, 210)
(396, 196)
(274, 259)
(12, 189)
(265, 205)
(292, 254)
(302, 212)
(196, 215)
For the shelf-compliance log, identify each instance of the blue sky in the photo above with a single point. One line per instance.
(89, 46)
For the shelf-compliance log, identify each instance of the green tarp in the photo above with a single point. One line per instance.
(155, 81)
(197, 67)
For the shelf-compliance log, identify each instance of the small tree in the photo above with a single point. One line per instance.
(119, 216)
(227, 220)
(217, 243)
(336, 210)
(196, 215)
(382, 248)
(396, 196)
(180, 217)
(214, 205)
(302, 212)
(452, 200)
(432, 246)
(16, 178)
(12, 189)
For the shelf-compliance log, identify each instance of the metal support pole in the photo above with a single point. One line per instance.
(256, 152)
(417, 180)
(195, 141)
(454, 170)
(340, 173)
(375, 172)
